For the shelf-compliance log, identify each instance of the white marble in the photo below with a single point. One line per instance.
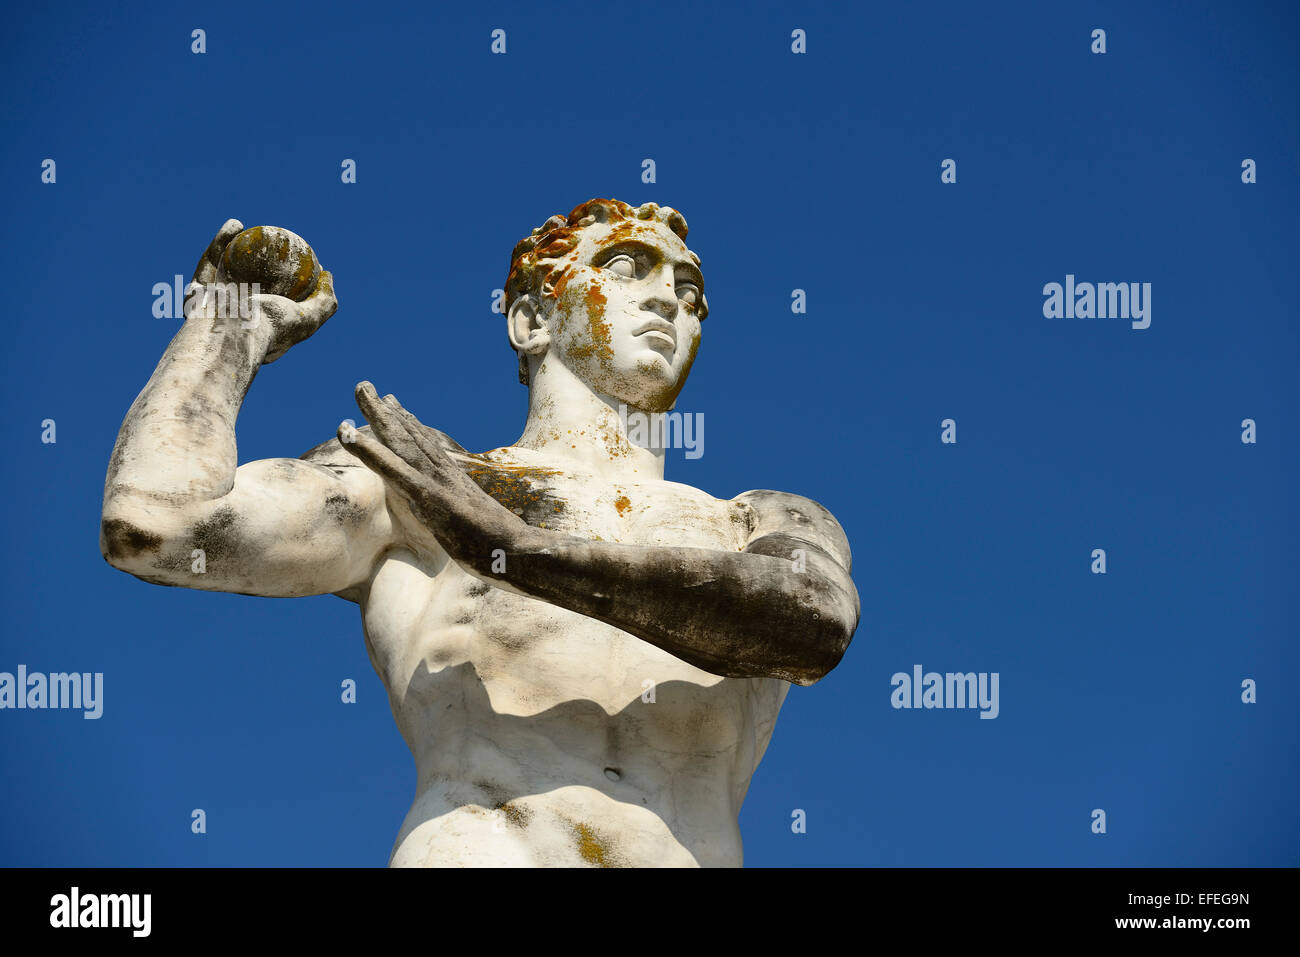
(586, 660)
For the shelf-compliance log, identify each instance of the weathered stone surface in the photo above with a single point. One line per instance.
(279, 261)
(586, 660)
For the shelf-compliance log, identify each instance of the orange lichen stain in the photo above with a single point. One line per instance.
(615, 444)
(591, 848)
(663, 400)
(622, 504)
(534, 471)
(614, 209)
(600, 331)
(560, 236)
(560, 246)
(557, 285)
(530, 254)
(622, 231)
(302, 280)
(515, 814)
(600, 339)
(517, 487)
(240, 249)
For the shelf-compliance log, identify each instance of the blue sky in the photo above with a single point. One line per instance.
(818, 171)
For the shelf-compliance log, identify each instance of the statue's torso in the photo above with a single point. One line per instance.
(541, 736)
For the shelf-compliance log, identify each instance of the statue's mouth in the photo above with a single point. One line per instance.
(658, 330)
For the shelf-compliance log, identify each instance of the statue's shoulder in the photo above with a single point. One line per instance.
(786, 513)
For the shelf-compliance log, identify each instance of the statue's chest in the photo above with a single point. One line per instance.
(645, 513)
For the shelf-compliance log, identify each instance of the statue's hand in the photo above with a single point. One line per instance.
(413, 459)
(278, 321)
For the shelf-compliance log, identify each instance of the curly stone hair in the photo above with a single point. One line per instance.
(536, 263)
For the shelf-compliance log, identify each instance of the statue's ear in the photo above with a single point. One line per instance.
(526, 327)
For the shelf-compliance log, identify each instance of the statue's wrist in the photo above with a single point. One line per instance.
(239, 318)
(260, 334)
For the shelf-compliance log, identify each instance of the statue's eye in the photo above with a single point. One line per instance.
(623, 265)
(688, 294)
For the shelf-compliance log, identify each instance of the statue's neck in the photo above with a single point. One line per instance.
(568, 421)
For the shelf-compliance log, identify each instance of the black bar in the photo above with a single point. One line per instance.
(565, 908)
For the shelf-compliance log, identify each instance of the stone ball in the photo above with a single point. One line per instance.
(280, 262)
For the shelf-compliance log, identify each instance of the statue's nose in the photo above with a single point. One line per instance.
(662, 300)
(660, 305)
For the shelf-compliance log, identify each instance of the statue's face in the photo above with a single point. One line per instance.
(624, 316)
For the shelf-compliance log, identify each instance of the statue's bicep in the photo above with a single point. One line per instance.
(295, 527)
(782, 522)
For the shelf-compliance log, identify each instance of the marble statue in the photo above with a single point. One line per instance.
(585, 659)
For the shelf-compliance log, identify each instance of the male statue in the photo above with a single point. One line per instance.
(586, 660)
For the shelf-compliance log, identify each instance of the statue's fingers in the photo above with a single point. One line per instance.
(417, 427)
(384, 462)
(386, 424)
(411, 423)
(322, 303)
(422, 432)
(427, 440)
(206, 271)
(368, 401)
(409, 438)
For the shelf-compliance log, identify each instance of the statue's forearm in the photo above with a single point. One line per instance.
(752, 613)
(738, 614)
(177, 443)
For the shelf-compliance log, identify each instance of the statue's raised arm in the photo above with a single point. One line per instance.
(177, 510)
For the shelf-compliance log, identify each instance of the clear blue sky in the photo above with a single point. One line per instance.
(819, 172)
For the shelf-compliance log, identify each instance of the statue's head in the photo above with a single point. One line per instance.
(611, 293)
